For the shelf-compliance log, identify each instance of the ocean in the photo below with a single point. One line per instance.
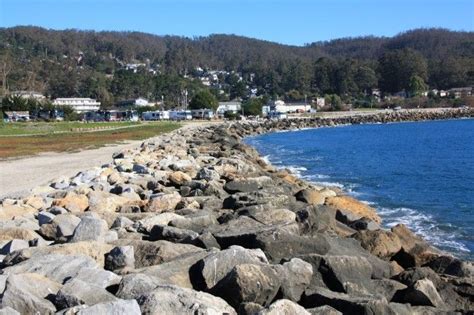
(417, 173)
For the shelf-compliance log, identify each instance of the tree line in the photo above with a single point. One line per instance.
(92, 64)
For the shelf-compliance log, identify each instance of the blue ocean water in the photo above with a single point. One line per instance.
(417, 173)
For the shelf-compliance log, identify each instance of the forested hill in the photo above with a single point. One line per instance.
(40, 59)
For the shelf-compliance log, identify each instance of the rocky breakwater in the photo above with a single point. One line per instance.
(197, 223)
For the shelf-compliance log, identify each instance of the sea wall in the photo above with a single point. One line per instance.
(197, 222)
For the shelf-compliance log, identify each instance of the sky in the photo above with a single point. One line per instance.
(294, 22)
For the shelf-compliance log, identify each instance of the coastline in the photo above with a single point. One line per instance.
(197, 215)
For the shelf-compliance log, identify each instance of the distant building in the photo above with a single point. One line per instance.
(78, 104)
(137, 102)
(282, 107)
(233, 106)
(134, 66)
(320, 102)
(460, 92)
(29, 95)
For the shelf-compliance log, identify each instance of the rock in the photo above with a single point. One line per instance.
(175, 300)
(53, 266)
(62, 226)
(296, 278)
(172, 234)
(283, 306)
(27, 293)
(274, 216)
(14, 245)
(242, 185)
(310, 196)
(76, 292)
(163, 202)
(410, 276)
(344, 303)
(213, 268)
(98, 277)
(451, 266)
(154, 253)
(160, 219)
(90, 229)
(140, 169)
(119, 258)
(36, 202)
(179, 178)
(129, 307)
(122, 222)
(136, 284)
(45, 217)
(353, 206)
(323, 310)
(249, 283)
(423, 292)
(9, 234)
(8, 311)
(208, 174)
(73, 202)
(100, 201)
(10, 212)
(383, 244)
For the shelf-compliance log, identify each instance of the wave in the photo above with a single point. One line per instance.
(423, 225)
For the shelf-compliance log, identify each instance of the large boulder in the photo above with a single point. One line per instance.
(311, 196)
(76, 292)
(351, 205)
(213, 268)
(162, 202)
(249, 283)
(423, 292)
(129, 307)
(174, 300)
(119, 258)
(172, 234)
(179, 178)
(283, 306)
(90, 229)
(27, 293)
(72, 202)
(61, 227)
(136, 284)
(297, 275)
(383, 244)
(101, 201)
(98, 277)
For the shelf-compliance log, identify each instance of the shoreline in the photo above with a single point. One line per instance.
(452, 247)
(196, 219)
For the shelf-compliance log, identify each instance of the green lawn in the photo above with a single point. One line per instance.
(36, 128)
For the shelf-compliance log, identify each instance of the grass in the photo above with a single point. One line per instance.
(11, 147)
(42, 128)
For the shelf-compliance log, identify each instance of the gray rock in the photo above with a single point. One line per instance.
(140, 169)
(57, 210)
(8, 311)
(208, 174)
(243, 185)
(27, 293)
(90, 229)
(119, 258)
(129, 307)
(45, 217)
(136, 284)
(53, 266)
(342, 302)
(76, 292)
(213, 268)
(249, 283)
(296, 278)
(423, 292)
(61, 226)
(324, 310)
(176, 300)
(3, 282)
(172, 234)
(283, 306)
(122, 222)
(98, 277)
(14, 245)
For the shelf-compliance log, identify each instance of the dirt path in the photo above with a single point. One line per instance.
(19, 176)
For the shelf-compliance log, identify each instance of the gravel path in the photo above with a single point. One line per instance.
(19, 176)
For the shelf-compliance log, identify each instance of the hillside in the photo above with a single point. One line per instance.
(87, 63)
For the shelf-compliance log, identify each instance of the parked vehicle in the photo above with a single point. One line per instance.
(204, 113)
(156, 115)
(276, 115)
(181, 115)
(49, 115)
(119, 115)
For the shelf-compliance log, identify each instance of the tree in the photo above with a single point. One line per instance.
(397, 67)
(334, 102)
(204, 99)
(417, 86)
(253, 107)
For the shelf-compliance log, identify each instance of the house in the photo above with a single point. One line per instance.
(29, 95)
(134, 66)
(78, 104)
(460, 92)
(138, 102)
(233, 106)
(16, 116)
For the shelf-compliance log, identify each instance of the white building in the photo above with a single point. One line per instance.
(234, 107)
(282, 107)
(138, 102)
(78, 104)
(29, 95)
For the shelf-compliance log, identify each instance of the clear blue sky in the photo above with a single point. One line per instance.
(286, 21)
